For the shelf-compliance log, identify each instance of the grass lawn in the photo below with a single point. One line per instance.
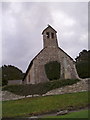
(79, 114)
(39, 105)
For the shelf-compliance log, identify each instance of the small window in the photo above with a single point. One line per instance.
(52, 34)
(47, 34)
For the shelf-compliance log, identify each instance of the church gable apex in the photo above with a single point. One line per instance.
(66, 54)
(49, 27)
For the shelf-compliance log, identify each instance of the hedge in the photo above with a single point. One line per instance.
(40, 88)
(83, 69)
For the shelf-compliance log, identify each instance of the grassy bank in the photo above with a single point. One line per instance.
(79, 114)
(40, 88)
(39, 105)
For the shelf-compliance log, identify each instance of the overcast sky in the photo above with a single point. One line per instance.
(23, 23)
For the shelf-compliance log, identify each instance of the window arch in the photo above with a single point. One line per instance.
(52, 35)
(47, 34)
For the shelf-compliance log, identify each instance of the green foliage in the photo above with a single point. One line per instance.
(10, 73)
(83, 69)
(83, 56)
(52, 70)
(38, 105)
(4, 82)
(83, 64)
(40, 88)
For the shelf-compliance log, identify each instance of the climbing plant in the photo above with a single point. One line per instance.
(52, 70)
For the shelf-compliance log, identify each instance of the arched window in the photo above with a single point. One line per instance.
(47, 33)
(52, 35)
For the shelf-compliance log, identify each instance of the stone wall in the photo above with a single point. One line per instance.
(49, 41)
(50, 52)
(81, 86)
(37, 71)
(68, 65)
(14, 82)
(47, 55)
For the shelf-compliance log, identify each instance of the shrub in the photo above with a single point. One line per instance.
(11, 73)
(52, 70)
(4, 82)
(40, 88)
(83, 69)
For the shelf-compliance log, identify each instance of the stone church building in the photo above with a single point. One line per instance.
(51, 62)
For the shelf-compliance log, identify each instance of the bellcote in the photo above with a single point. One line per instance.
(49, 37)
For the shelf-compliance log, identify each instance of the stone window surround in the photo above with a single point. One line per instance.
(50, 35)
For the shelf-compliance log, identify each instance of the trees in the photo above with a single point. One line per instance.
(10, 72)
(83, 64)
(83, 56)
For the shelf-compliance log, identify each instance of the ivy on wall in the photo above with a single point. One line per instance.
(52, 70)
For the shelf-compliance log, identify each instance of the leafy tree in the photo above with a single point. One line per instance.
(83, 64)
(10, 72)
(83, 56)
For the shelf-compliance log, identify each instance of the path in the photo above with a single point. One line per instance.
(55, 113)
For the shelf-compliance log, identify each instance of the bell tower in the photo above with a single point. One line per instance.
(49, 37)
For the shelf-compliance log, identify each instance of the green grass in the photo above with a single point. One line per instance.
(40, 88)
(39, 105)
(79, 114)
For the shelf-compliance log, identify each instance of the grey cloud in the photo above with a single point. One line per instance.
(22, 38)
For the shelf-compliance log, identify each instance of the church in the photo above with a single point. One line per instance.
(51, 63)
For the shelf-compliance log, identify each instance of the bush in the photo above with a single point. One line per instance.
(4, 82)
(52, 70)
(11, 73)
(83, 69)
(40, 88)
(83, 64)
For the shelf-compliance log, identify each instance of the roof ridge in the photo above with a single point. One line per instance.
(48, 27)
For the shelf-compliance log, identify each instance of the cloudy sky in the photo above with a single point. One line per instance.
(23, 23)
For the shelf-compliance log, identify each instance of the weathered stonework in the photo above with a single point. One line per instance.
(51, 52)
(81, 86)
